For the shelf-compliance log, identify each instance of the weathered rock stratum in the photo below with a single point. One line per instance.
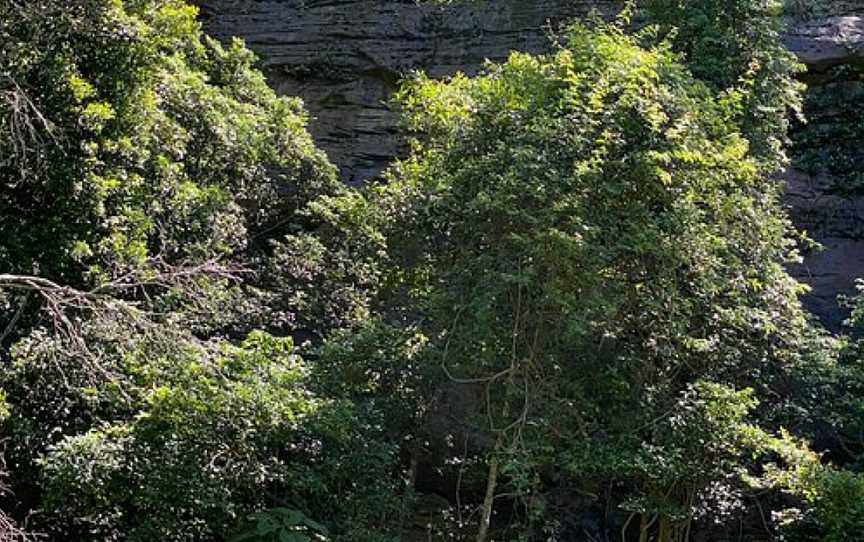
(831, 36)
(345, 57)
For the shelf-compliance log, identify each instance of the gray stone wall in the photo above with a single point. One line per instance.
(344, 57)
(830, 35)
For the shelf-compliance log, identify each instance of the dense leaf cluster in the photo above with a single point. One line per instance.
(147, 175)
(735, 46)
(588, 237)
(827, 144)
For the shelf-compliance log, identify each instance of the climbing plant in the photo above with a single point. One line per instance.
(736, 47)
(827, 143)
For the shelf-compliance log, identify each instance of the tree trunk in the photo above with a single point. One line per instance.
(643, 527)
(665, 534)
(489, 499)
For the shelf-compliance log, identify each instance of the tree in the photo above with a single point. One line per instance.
(586, 248)
(146, 173)
(132, 143)
(585, 235)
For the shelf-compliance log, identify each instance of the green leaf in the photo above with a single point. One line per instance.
(289, 517)
(315, 525)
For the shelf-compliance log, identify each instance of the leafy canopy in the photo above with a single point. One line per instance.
(587, 235)
(145, 172)
(128, 136)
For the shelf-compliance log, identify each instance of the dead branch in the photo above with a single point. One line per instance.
(28, 131)
(118, 300)
(9, 532)
(15, 317)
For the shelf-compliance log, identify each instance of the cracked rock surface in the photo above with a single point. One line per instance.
(832, 37)
(825, 43)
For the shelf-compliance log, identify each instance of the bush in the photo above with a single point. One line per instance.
(193, 441)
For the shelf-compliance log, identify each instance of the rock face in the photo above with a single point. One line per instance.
(830, 38)
(828, 42)
(836, 223)
(344, 58)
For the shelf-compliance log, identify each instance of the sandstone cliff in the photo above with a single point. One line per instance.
(344, 57)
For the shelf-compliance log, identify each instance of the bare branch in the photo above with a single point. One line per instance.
(69, 309)
(14, 321)
(28, 131)
(9, 532)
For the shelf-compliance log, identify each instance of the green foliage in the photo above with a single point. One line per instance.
(281, 525)
(4, 407)
(833, 507)
(203, 445)
(377, 363)
(839, 507)
(126, 135)
(587, 234)
(829, 141)
(180, 444)
(579, 269)
(809, 9)
(147, 172)
(703, 461)
(323, 280)
(832, 406)
(831, 409)
(736, 47)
